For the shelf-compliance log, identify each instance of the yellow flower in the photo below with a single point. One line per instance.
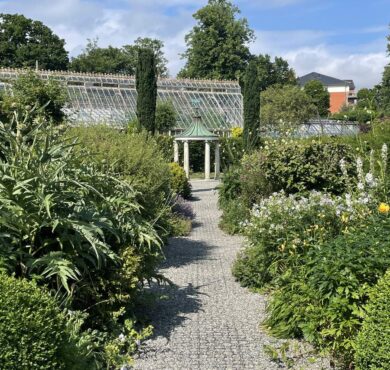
(384, 208)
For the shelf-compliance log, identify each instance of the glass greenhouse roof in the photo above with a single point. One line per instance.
(111, 99)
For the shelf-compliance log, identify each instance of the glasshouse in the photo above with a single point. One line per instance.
(106, 98)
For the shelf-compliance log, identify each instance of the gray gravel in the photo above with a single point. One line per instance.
(207, 321)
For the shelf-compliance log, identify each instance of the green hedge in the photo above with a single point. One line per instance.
(32, 328)
(373, 341)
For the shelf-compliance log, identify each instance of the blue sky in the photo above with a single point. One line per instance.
(345, 39)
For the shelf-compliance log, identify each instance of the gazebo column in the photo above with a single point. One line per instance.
(207, 160)
(187, 158)
(217, 161)
(176, 151)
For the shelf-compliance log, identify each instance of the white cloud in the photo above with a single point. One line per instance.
(307, 51)
(120, 22)
(365, 69)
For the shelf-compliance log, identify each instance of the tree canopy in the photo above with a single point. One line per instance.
(217, 47)
(285, 107)
(95, 59)
(385, 86)
(273, 72)
(24, 41)
(319, 97)
(166, 116)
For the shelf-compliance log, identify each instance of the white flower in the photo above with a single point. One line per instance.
(370, 181)
(359, 169)
(360, 186)
(122, 337)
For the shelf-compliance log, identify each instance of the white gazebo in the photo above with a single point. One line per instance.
(197, 132)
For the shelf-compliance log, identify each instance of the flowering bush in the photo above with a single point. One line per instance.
(282, 228)
(320, 253)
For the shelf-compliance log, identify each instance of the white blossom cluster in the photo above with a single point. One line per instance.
(271, 214)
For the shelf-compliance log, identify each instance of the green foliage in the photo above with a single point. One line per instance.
(276, 72)
(146, 84)
(33, 331)
(166, 116)
(102, 60)
(234, 209)
(373, 341)
(165, 144)
(179, 182)
(294, 166)
(231, 151)
(135, 158)
(324, 299)
(251, 100)
(69, 223)
(384, 88)
(368, 99)
(41, 97)
(385, 91)
(319, 96)
(156, 46)
(118, 60)
(356, 114)
(283, 108)
(217, 45)
(180, 226)
(24, 41)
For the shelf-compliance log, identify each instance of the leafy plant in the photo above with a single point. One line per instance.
(65, 221)
(373, 340)
(33, 330)
(179, 182)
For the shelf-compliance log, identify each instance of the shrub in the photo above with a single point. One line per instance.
(41, 97)
(166, 116)
(232, 150)
(295, 166)
(135, 158)
(179, 182)
(68, 222)
(373, 341)
(282, 229)
(234, 213)
(323, 300)
(32, 328)
(165, 144)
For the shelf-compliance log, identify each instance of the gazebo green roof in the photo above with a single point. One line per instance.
(197, 132)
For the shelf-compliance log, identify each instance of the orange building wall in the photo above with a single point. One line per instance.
(337, 100)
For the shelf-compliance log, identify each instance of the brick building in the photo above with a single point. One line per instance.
(342, 92)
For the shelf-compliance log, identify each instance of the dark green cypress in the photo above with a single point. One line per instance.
(146, 84)
(250, 88)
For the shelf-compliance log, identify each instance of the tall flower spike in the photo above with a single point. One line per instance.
(359, 169)
(384, 157)
(372, 161)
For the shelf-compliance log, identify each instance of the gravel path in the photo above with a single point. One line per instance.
(207, 321)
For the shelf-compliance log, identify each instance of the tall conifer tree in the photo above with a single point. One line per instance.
(250, 87)
(146, 85)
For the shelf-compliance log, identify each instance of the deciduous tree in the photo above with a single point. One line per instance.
(285, 107)
(273, 72)
(95, 59)
(319, 96)
(23, 42)
(217, 47)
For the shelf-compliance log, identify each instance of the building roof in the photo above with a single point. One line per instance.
(325, 80)
(197, 132)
